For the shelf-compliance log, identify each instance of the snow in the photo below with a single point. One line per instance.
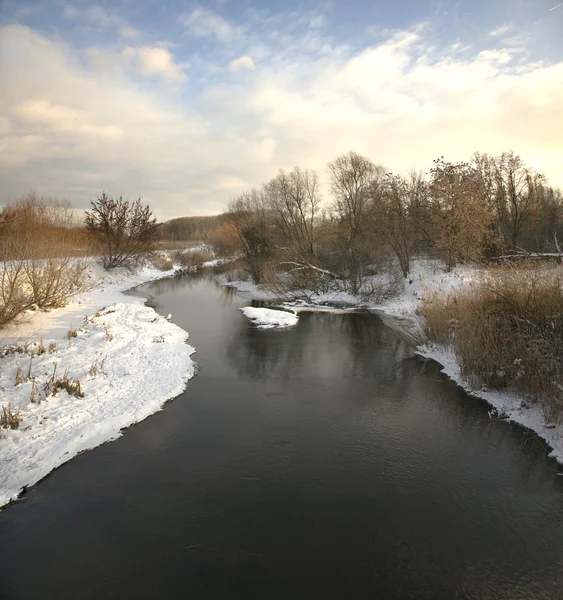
(506, 405)
(426, 275)
(216, 262)
(400, 313)
(267, 318)
(129, 361)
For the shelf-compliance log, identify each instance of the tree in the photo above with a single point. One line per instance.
(293, 199)
(249, 220)
(127, 232)
(461, 215)
(353, 179)
(392, 219)
(516, 189)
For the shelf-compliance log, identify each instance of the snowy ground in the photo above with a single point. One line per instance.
(266, 318)
(128, 359)
(400, 313)
(426, 274)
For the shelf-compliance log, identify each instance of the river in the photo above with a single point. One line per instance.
(320, 461)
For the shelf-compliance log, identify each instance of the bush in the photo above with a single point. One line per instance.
(507, 332)
(37, 268)
(8, 418)
(162, 262)
(192, 259)
(126, 232)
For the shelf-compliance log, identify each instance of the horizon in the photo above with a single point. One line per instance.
(188, 104)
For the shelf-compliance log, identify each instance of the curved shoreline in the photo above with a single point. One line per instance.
(506, 406)
(130, 362)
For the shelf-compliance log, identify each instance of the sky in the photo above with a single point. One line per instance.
(188, 104)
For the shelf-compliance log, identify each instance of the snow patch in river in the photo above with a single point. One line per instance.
(267, 318)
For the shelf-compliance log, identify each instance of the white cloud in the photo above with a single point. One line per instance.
(317, 22)
(69, 131)
(242, 63)
(499, 30)
(63, 118)
(157, 62)
(146, 61)
(206, 24)
(99, 16)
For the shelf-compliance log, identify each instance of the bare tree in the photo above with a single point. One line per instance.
(392, 219)
(293, 198)
(516, 187)
(126, 231)
(248, 218)
(353, 179)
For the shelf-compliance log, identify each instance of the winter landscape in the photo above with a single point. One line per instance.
(281, 300)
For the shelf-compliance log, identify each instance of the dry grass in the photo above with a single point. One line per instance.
(162, 262)
(176, 245)
(38, 268)
(73, 387)
(9, 419)
(507, 331)
(193, 259)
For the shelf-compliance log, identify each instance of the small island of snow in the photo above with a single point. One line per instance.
(266, 318)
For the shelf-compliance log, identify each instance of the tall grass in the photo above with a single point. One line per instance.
(38, 245)
(507, 332)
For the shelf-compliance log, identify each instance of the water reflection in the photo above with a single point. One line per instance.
(351, 345)
(319, 461)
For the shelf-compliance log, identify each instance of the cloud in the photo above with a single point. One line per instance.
(145, 61)
(99, 16)
(203, 23)
(157, 62)
(63, 118)
(69, 129)
(242, 63)
(499, 30)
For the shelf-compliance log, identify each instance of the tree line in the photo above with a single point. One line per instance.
(458, 212)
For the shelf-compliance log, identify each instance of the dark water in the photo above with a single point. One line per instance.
(323, 461)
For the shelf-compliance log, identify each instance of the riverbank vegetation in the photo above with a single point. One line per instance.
(41, 246)
(459, 213)
(507, 333)
(492, 213)
(45, 248)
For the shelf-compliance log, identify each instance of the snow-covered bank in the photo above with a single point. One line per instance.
(505, 404)
(266, 318)
(400, 313)
(129, 362)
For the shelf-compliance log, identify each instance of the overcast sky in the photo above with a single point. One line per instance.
(187, 104)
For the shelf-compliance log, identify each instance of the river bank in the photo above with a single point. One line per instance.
(74, 377)
(400, 312)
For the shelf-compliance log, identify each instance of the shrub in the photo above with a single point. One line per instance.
(507, 332)
(162, 262)
(126, 232)
(37, 268)
(193, 259)
(9, 419)
(73, 387)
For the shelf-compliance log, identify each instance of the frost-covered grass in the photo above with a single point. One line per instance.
(76, 376)
(266, 318)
